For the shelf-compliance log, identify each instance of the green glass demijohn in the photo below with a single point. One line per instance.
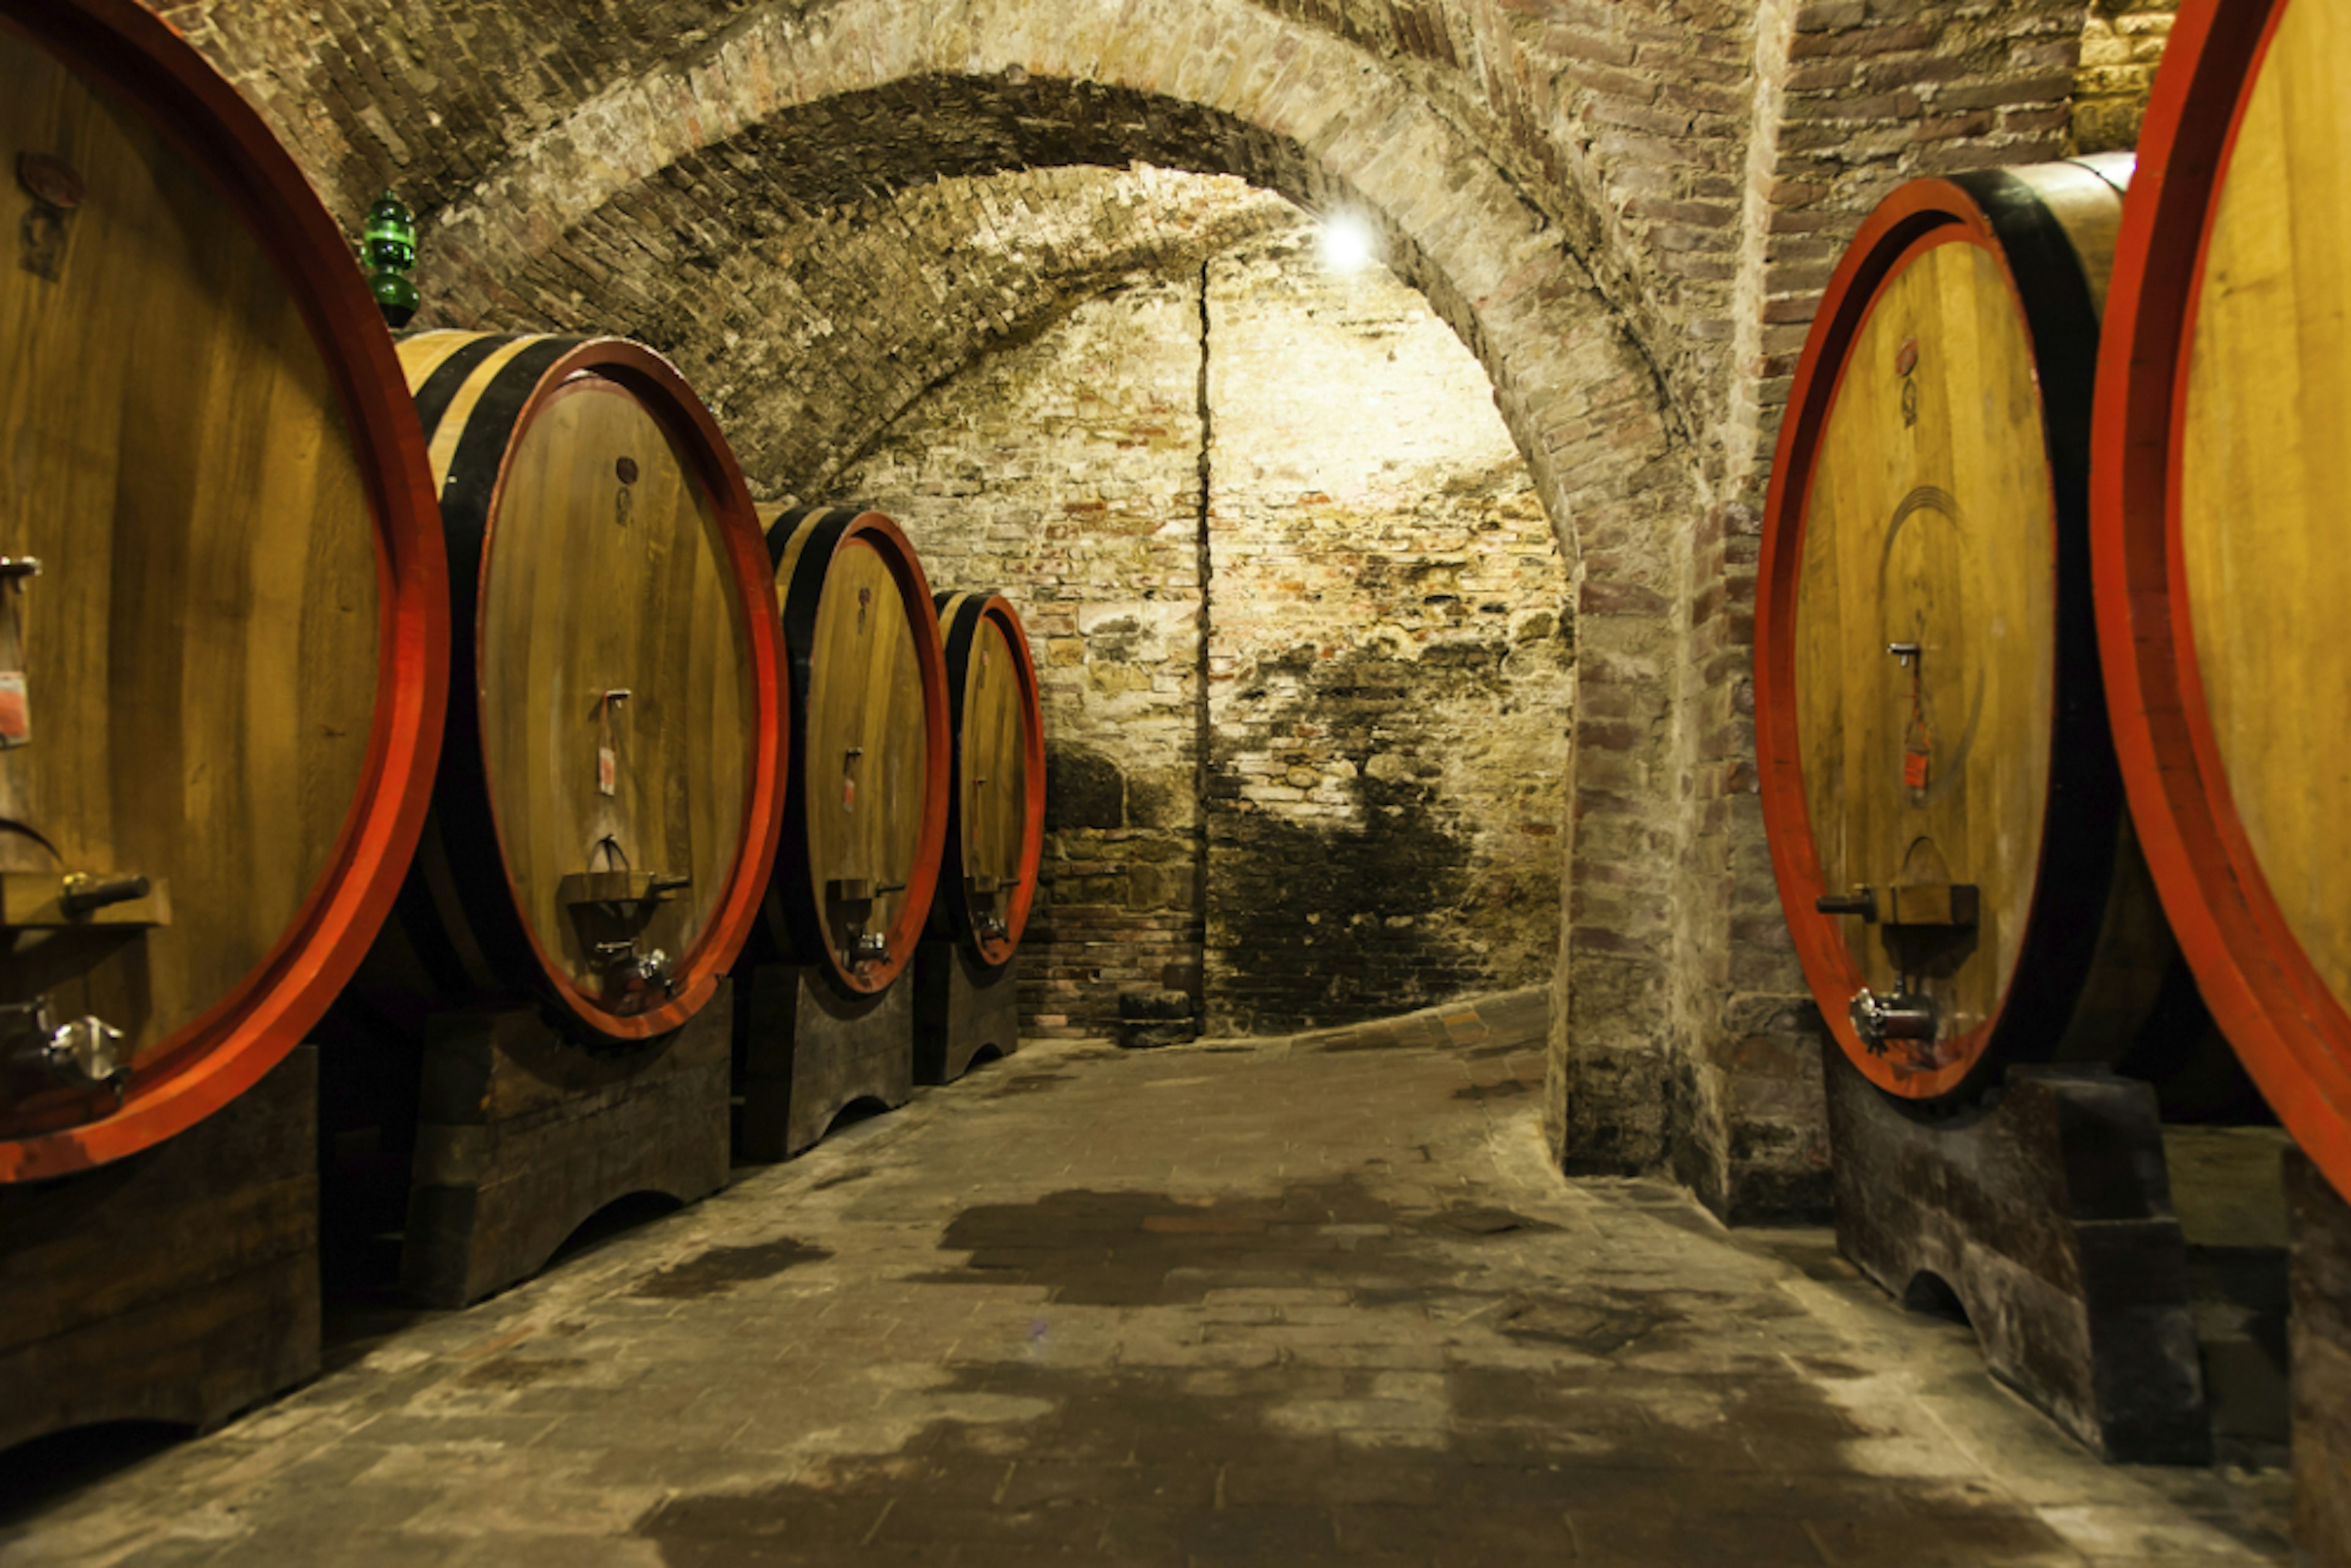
(389, 247)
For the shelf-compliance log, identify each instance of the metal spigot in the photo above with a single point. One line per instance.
(86, 1053)
(871, 947)
(628, 969)
(1905, 1015)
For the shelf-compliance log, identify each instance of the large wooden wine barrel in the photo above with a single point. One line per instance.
(995, 817)
(1946, 820)
(606, 814)
(866, 818)
(2221, 452)
(222, 607)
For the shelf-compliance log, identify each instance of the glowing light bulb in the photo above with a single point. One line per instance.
(1346, 243)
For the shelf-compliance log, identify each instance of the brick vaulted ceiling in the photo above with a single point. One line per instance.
(809, 336)
(433, 96)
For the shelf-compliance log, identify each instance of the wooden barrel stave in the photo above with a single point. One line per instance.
(995, 826)
(866, 818)
(2219, 462)
(615, 717)
(234, 656)
(1952, 361)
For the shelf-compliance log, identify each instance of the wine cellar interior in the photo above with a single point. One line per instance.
(1174, 782)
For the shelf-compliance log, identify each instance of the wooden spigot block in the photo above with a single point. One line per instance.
(1955, 904)
(40, 901)
(586, 887)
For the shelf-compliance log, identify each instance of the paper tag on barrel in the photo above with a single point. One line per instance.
(16, 710)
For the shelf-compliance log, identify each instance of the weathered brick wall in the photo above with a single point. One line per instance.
(1387, 660)
(2122, 44)
(809, 343)
(1389, 685)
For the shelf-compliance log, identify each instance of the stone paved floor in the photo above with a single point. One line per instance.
(1308, 1302)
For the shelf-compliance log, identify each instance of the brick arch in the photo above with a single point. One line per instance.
(1221, 87)
(856, 90)
(791, 339)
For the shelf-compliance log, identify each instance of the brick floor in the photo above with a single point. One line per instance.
(1316, 1300)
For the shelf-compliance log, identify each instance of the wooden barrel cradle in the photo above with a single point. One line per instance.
(1946, 820)
(996, 818)
(223, 607)
(866, 821)
(2221, 453)
(606, 813)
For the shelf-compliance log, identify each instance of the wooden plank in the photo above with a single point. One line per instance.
(200, 648)
(522, 1136)
(179, 1284)
(868, 760)
(2049, 1217)
(997, 827)
(962, 1009)
(2264, 467)
(1932, 526)
(805, 1052)
(994, 781)
(609, 575)
(2319, 1357)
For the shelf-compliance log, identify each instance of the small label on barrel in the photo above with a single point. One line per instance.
(849, 791)
(52, 182)
(608, 770)
(16, 710)
(1914, 770)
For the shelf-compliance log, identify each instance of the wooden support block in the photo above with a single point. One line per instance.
(2048, 1216)
(2320, 1332)
(522, 1135)
(804, 1053)
(961, 1007)
(180, 1284)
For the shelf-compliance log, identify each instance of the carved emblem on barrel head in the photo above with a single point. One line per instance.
(57, 189)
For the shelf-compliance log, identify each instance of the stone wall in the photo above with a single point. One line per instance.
(2122, 44)
(1387, 665)
(1389, 671)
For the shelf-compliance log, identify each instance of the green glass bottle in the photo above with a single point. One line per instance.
(389, 247)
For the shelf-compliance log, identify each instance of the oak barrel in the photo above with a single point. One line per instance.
(2221, 458)
(866, 816)
(221, 685)
(607, 808)
(996, 811)
(1945, 820)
